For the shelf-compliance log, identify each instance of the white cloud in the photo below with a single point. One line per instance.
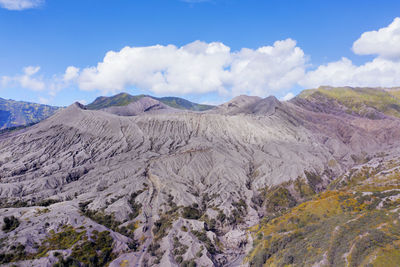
(31, 70)
(198, 67)
(385, 42)
(376, 73)
(20, 4)
(26, 80)
(71, 74)
(288, 96)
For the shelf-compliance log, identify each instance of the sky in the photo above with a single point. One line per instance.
(207, 51)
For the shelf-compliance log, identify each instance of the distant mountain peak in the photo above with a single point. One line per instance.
(124, 99)
(20, 113)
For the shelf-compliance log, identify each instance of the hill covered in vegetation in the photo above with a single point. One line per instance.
(124, 99)
(19, 113)
(355, 222)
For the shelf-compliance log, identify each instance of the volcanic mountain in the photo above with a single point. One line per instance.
(145, 184)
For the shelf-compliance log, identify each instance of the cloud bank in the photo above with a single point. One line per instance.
(197, 68)
(20, 4)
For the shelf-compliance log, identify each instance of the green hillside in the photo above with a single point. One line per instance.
(358, 99)
(121, 99)
(18, 113)
(124, 99)
(354, 223)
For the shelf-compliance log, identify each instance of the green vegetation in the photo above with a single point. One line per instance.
(179, 250)
(17, 253)
(358, 99)
(278, 199)
(355, 223)
(10, 224)
(189, 263)
(124, 99)
(154, 250)
(95, 252)
(64, 239)
(109, 221)
(22, 203)
(46, 202)
(181, 103)
(134, 206)
(161, 227)
(192, 212)
(202, 236)
(121, 99)
(238, 213)
(17, 113)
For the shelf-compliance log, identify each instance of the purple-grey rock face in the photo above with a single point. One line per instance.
(172, 186)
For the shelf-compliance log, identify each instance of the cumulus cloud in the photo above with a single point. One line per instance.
(384, 42)
(20, 4)
(376, 73)
(198, 68)
(27, 80)
(71, 74)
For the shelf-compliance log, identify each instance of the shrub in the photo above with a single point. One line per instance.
(10, 224)
(17, 253)
(97, 252)
(221, 216)
(191, 213)
(61, 240)
(202, 236)
(47, 202)
(161, 226)
(189, 263)
(279, 199)
(134, 206)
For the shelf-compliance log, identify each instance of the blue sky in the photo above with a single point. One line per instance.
(55, 35)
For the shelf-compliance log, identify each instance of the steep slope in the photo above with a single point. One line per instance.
(124, 99)
(173, 188)
(18, 113)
